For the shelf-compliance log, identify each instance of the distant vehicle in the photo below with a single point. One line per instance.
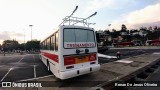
(123, 44)
(72, 50)
(137, 43)
(155, 42)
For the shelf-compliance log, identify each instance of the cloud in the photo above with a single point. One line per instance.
(147, 16)
(6, 35)
(94, 5)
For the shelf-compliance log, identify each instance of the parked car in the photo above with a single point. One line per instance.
(138, 43)
(155, 42)
(123, 44)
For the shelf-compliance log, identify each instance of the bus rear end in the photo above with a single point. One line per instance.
(78, 51)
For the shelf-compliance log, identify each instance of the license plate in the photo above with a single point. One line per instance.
(82, 59)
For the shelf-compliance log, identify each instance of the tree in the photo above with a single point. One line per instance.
(127, 38)
(115, 34)
(137, 37)
(155, 27)
(123, 27)
(107, 31)
(22, 46)
(33, 45)
(150, 28)
(153, 35)
(10, 45)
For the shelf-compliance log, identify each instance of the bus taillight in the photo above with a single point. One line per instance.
(69, 60)
(92, 57)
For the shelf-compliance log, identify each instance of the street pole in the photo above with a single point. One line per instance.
(31, 31)
(109, 27)
(24, 39)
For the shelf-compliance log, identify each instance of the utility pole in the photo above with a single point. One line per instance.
(31, 31)
(109, 27)
(24, 39)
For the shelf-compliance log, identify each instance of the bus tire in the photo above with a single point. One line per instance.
(48, 66)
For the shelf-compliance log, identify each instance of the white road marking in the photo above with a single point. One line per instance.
(106, 56)
(6, 74)
(156, 53)
(36, 78)
(34, 67)
(11, 69)
(124, 61)
(21, 59)
(34, 71)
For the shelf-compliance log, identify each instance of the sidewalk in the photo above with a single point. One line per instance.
(137, 47)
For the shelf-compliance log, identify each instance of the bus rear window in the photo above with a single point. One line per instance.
(78, 38)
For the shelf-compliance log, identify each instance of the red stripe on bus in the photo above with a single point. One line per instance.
(53, 57)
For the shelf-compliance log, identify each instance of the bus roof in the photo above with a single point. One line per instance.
(74, 26)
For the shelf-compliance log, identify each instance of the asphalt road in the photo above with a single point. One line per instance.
(125, 53)
(21, 67)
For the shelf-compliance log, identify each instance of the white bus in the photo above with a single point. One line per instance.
(71, 51)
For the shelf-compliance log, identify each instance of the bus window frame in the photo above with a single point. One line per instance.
(56, 40)
(52, 37)
(48, 43)
(82, 29)
(45, 41)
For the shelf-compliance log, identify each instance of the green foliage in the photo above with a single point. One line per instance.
(127, 38)
(33, 45)
(123, 27)
(10, 45)
(115, 34)
(153, 35)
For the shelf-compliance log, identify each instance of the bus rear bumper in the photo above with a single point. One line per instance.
(78, 72)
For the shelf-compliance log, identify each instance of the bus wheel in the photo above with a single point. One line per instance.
(48, 66)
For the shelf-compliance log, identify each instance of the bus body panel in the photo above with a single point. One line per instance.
(83, 68)
(73, 73)
(62, 71)
(54, 65)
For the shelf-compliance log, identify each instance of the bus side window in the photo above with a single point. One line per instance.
(52, 42)
(48, 44)
(56, 42)
(45, 45)
(41, 45)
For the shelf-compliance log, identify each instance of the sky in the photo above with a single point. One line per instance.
(46, 15)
